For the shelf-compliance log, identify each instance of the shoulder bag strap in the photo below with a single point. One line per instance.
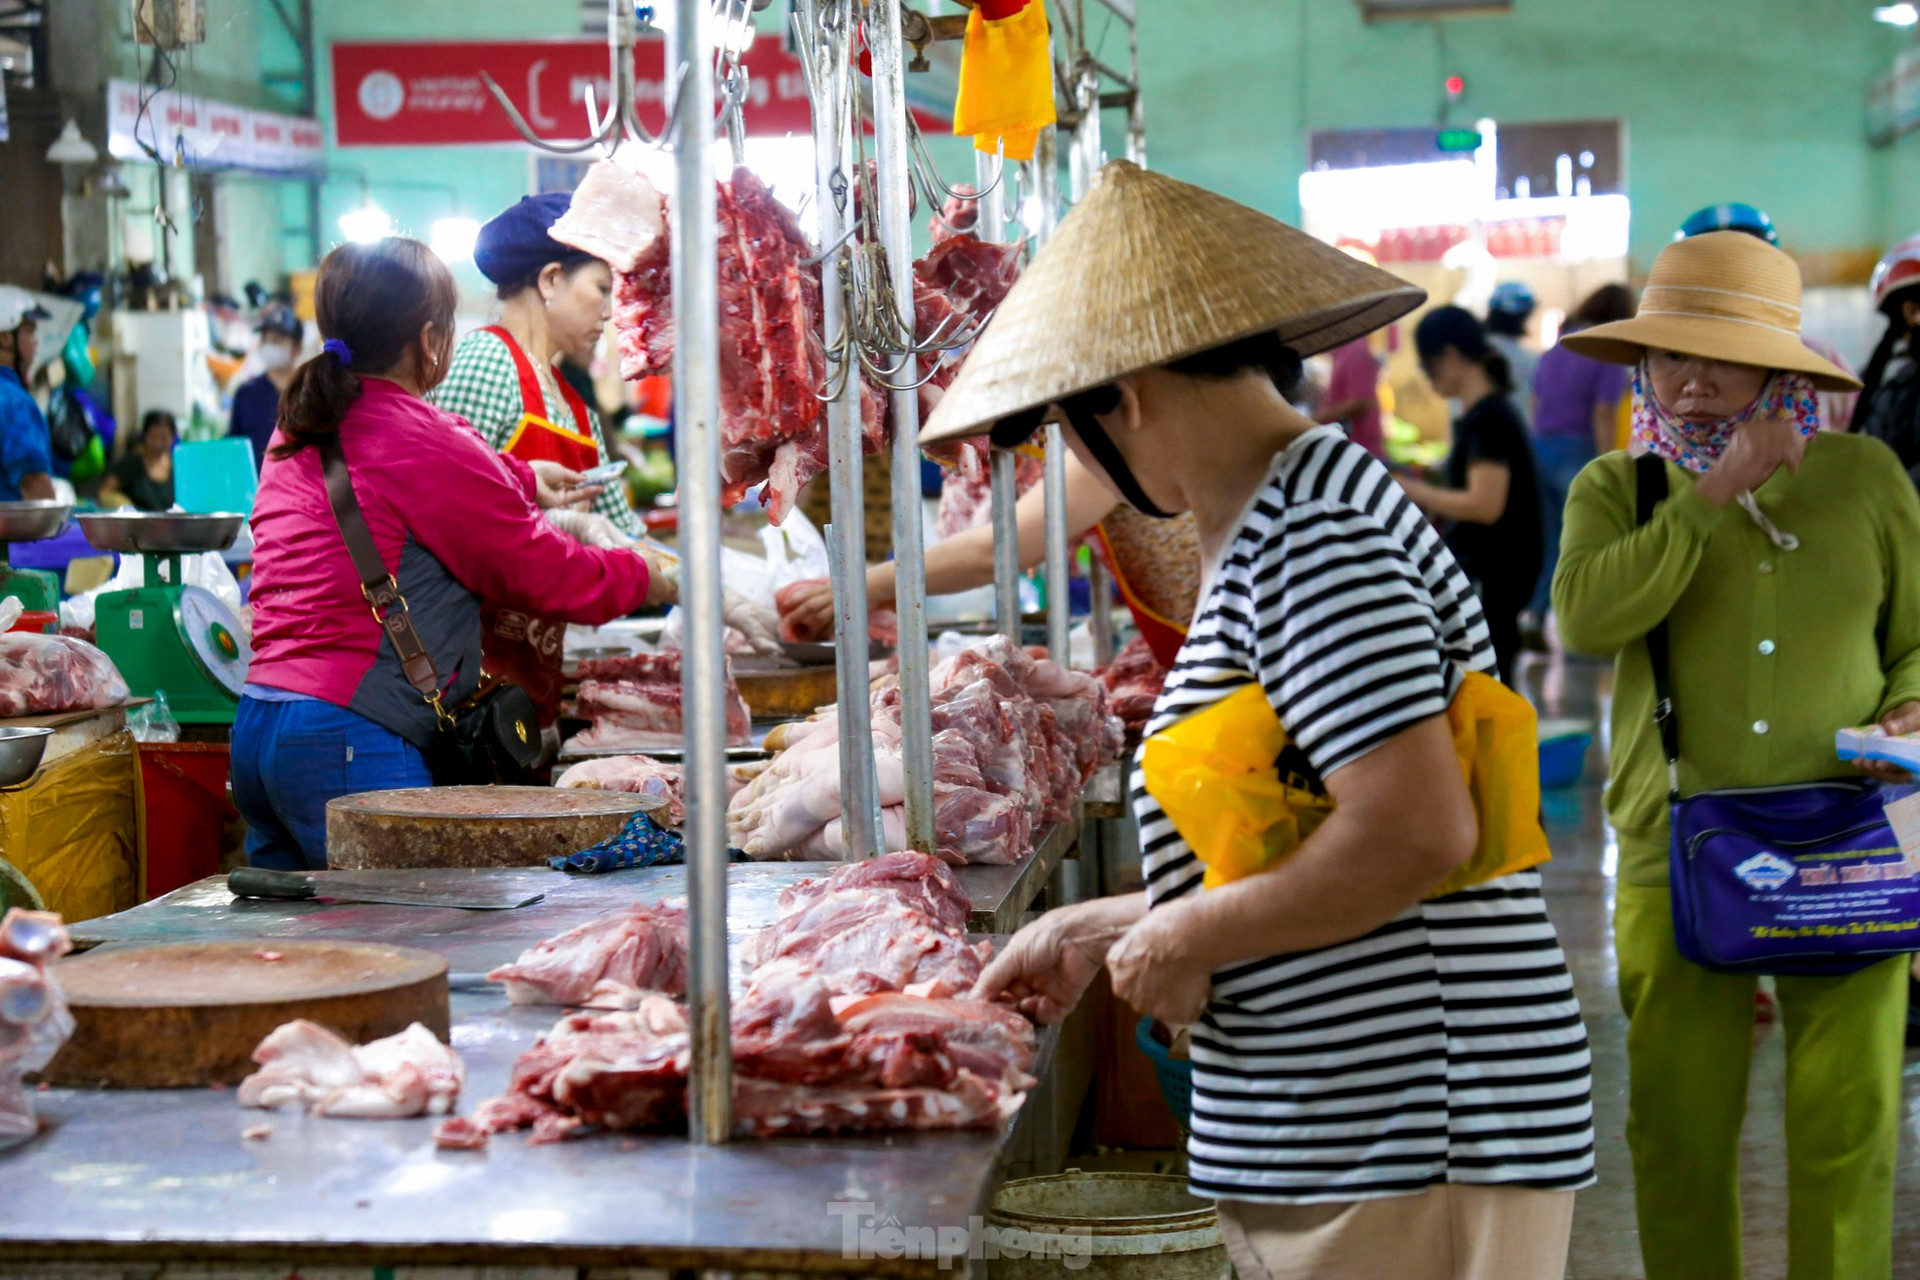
(376, 584)
(1650, 490)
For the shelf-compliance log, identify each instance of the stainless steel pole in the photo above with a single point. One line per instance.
(1054, 482)
(859, 811)
(1136, 109)
(992, 172)
(909, 540)
(1086, 167)
(696, 398)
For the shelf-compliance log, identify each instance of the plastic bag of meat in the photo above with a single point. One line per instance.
(41, 675)
(34, 1021)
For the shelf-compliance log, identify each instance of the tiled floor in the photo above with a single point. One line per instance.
(1580, 898)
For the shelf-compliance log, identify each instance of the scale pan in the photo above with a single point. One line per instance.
(32, 521)
(161, 532)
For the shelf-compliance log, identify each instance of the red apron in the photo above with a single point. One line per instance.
(1163, 635)
(517, 646)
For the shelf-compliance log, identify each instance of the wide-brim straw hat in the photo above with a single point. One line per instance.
(1724, 295)
(1146, 270)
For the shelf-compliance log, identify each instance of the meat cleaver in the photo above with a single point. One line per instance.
(295, 886)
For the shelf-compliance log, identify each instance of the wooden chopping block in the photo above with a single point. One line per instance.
(188, 1014)
(470, 826)
(783, 695)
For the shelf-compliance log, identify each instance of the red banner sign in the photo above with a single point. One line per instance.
(411, 94)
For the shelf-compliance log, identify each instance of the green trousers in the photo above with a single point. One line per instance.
(1689, 1040)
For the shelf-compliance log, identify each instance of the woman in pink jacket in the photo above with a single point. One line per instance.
(327, 710)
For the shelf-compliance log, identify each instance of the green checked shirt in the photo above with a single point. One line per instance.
(483, 387)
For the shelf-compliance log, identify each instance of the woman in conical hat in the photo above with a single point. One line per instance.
(1305, 828)
(1784, 562)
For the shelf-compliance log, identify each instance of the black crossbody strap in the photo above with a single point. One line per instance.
(376, 584)
(1650, 490)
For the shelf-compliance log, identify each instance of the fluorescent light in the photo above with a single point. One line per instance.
(454, 238)
(735, 36)
(1897, 15)
(71, 148)
(367, 224)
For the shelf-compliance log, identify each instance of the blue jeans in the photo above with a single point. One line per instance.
(290, 758)
(1557, 460)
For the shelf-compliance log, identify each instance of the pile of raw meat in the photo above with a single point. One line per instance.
(1015, 739)
(607, 963)
(42, 675)
(883, 625)
(772, 353)
(1133, 681)
(635, 703)
(966, 490)
(312, 1067)
(853, 1019)
(641, 775)
(771, 358)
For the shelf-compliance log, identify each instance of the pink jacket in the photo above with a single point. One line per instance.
(454, 522)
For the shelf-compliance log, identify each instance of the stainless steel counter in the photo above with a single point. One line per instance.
(166, 1175)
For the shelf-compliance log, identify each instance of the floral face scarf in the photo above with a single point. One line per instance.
(1698, 445)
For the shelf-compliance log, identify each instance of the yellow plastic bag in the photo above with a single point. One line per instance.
(1498, 743)
(1214, 776)
(72, 830)
(1006, 81)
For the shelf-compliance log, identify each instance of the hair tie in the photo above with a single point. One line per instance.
(335, 347)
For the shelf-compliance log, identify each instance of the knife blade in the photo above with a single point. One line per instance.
(296, 886)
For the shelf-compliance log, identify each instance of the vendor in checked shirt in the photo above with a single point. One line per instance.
(555, 301)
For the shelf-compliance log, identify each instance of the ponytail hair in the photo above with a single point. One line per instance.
(1499, 371)
(371, 302)
(1460, 329)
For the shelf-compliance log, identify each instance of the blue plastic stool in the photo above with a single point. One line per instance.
(215, 475)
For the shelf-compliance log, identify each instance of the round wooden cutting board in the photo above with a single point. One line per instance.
(470, 826)
(191, 1013)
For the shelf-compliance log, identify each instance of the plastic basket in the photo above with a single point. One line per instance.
(215, 475)
(1176, 1074)
(1563, 760)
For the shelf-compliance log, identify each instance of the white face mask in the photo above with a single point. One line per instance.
(275, 355)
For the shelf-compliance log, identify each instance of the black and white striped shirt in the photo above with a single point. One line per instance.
(1445, 1046)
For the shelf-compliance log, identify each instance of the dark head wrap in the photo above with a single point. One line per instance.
(513, 248)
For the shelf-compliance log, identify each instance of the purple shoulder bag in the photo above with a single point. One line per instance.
(1805, 878)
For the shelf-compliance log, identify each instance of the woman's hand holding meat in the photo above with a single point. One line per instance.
(1046, 967)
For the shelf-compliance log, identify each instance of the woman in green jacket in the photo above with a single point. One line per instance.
(1787, 566)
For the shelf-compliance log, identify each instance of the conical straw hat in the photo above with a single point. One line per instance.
(1725, 296)
(1146, 270)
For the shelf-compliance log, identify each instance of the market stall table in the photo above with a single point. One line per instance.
(159, 1175)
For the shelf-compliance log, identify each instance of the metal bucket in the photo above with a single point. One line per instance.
(1103, 1226)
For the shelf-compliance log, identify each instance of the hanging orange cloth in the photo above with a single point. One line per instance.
(1006, 78)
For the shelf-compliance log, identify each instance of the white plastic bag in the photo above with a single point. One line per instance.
(795, 553)
(34, 1020)
(154, 721)
(44, 675)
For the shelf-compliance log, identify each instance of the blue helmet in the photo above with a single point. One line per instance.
(1729, 217)
(1512, 298)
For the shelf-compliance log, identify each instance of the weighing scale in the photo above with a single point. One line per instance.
(166, 636)
(36, 589)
